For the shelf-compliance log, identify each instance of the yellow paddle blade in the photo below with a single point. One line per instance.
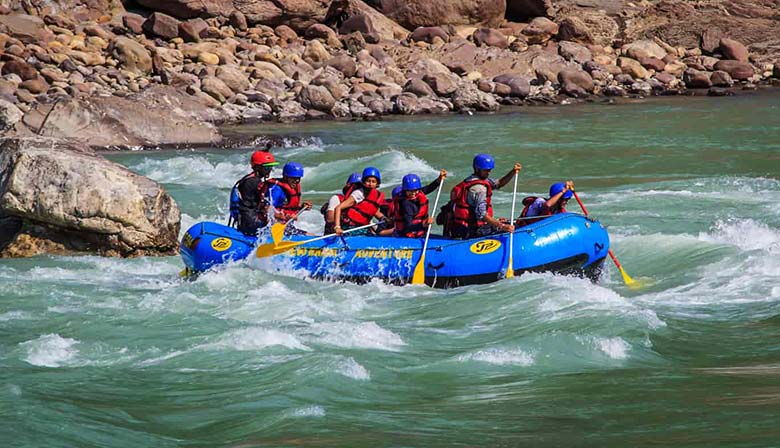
(277, 232)
(418, 278)
(628, 280)
(270, 249)
(185, 273)
(509, 271)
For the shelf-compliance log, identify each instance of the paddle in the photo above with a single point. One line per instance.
(509, 271)
(626, 279)
(277, 230)
(418, 278)
(271, 249)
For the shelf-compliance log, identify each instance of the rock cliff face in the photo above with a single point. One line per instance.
(57, 197)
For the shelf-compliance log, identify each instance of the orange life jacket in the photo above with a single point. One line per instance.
(419, 219)
(463, 213)
(361, 213)
(546, 212)
(292, 204)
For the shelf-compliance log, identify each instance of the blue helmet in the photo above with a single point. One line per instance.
(397, 191)
(411, 182)
(370, 171)
(293, 169)
(354, 178)
(484, 162)
(557, 188)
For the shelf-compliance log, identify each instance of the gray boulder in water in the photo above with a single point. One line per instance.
(58, 197)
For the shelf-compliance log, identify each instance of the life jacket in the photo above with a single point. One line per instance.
(292, 204)
(235, 201)
(345, 192)
(361, 213)
(546, 212)
(419, 219)
(463, 213)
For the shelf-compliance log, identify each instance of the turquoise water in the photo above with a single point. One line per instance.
(121, 353)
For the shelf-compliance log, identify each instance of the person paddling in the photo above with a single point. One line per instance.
(246, 199)
(471, 204)
(328, 210)
(411, 214)
(560, 193)
(361, 205)
(284, 195)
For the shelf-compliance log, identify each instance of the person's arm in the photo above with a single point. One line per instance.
(508, 176)
(435, 184)
(278, 199)
(333, 202)
(478, 199)
(349, 202)
(554, 200)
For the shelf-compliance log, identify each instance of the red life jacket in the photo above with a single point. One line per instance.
(293, 202)
(462, 213)
(546, 212)
(361, 213)
(419, 219)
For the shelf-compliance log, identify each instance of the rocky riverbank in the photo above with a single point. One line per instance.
(82, 74)
(161, 72)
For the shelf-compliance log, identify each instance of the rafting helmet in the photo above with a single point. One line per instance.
(354, 178)
(411, 182)
(484, 162)
(293, 169)
(263, 158)
(370, 171)
(397, 191)
(559, 187)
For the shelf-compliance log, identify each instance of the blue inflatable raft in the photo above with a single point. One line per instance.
(568, 243)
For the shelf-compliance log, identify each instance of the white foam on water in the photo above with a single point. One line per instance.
(393, 165)
(194, 170)
(615, 347)
(500, 356)
(255, 338)
(308, 411)
(14, 390)
(159, 359)
(350, 368)
(15, 315)
(367, 335)
(746, 234)
(50, 350)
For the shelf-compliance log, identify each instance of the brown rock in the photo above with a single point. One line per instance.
(323, 32)
(15, 50)
(644, 49)
(233, 77)
(416, 13)
(188, 9)
(24, 27)
(87, 58)
(427, 33)
(572, 51)
(20, 68)
(133, 22)
(518, 85)
(576, 83)
(285, 33)
(664, 78)
(216, 88)
(652, 63)
(238, 20)
(344, 64)
(35, 85)
(710, 39)
(98, 31)
(418, 87)
(132, 55)
(540, 30)
(317, 98)
(341, 11)
(193, 30)
(731, 49)
(524, 10)
(697, 79)
(315, 53)
(736, 69)
(720, 78)
(489, 37)
(633, 68)
(208, 58)
(441, 83)
(162, 25)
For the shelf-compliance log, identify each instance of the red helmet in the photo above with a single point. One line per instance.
(263, 158)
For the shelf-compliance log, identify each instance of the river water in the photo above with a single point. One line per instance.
(121, 353)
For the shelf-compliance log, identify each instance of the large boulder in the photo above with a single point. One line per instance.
(525, 10)
(342, 11)
(132, 55)
(62, 198)
(736, 69)
(732, 49)
(588, 27)
(414, 13)
(297, 14)
(157, 116)
(188, 9)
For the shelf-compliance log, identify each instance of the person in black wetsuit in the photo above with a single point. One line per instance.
(250, 203)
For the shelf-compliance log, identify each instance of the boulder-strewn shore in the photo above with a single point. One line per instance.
(170, 70)
(76, 75)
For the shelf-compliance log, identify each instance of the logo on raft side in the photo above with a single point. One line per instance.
(221, 244)
(485, 246)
